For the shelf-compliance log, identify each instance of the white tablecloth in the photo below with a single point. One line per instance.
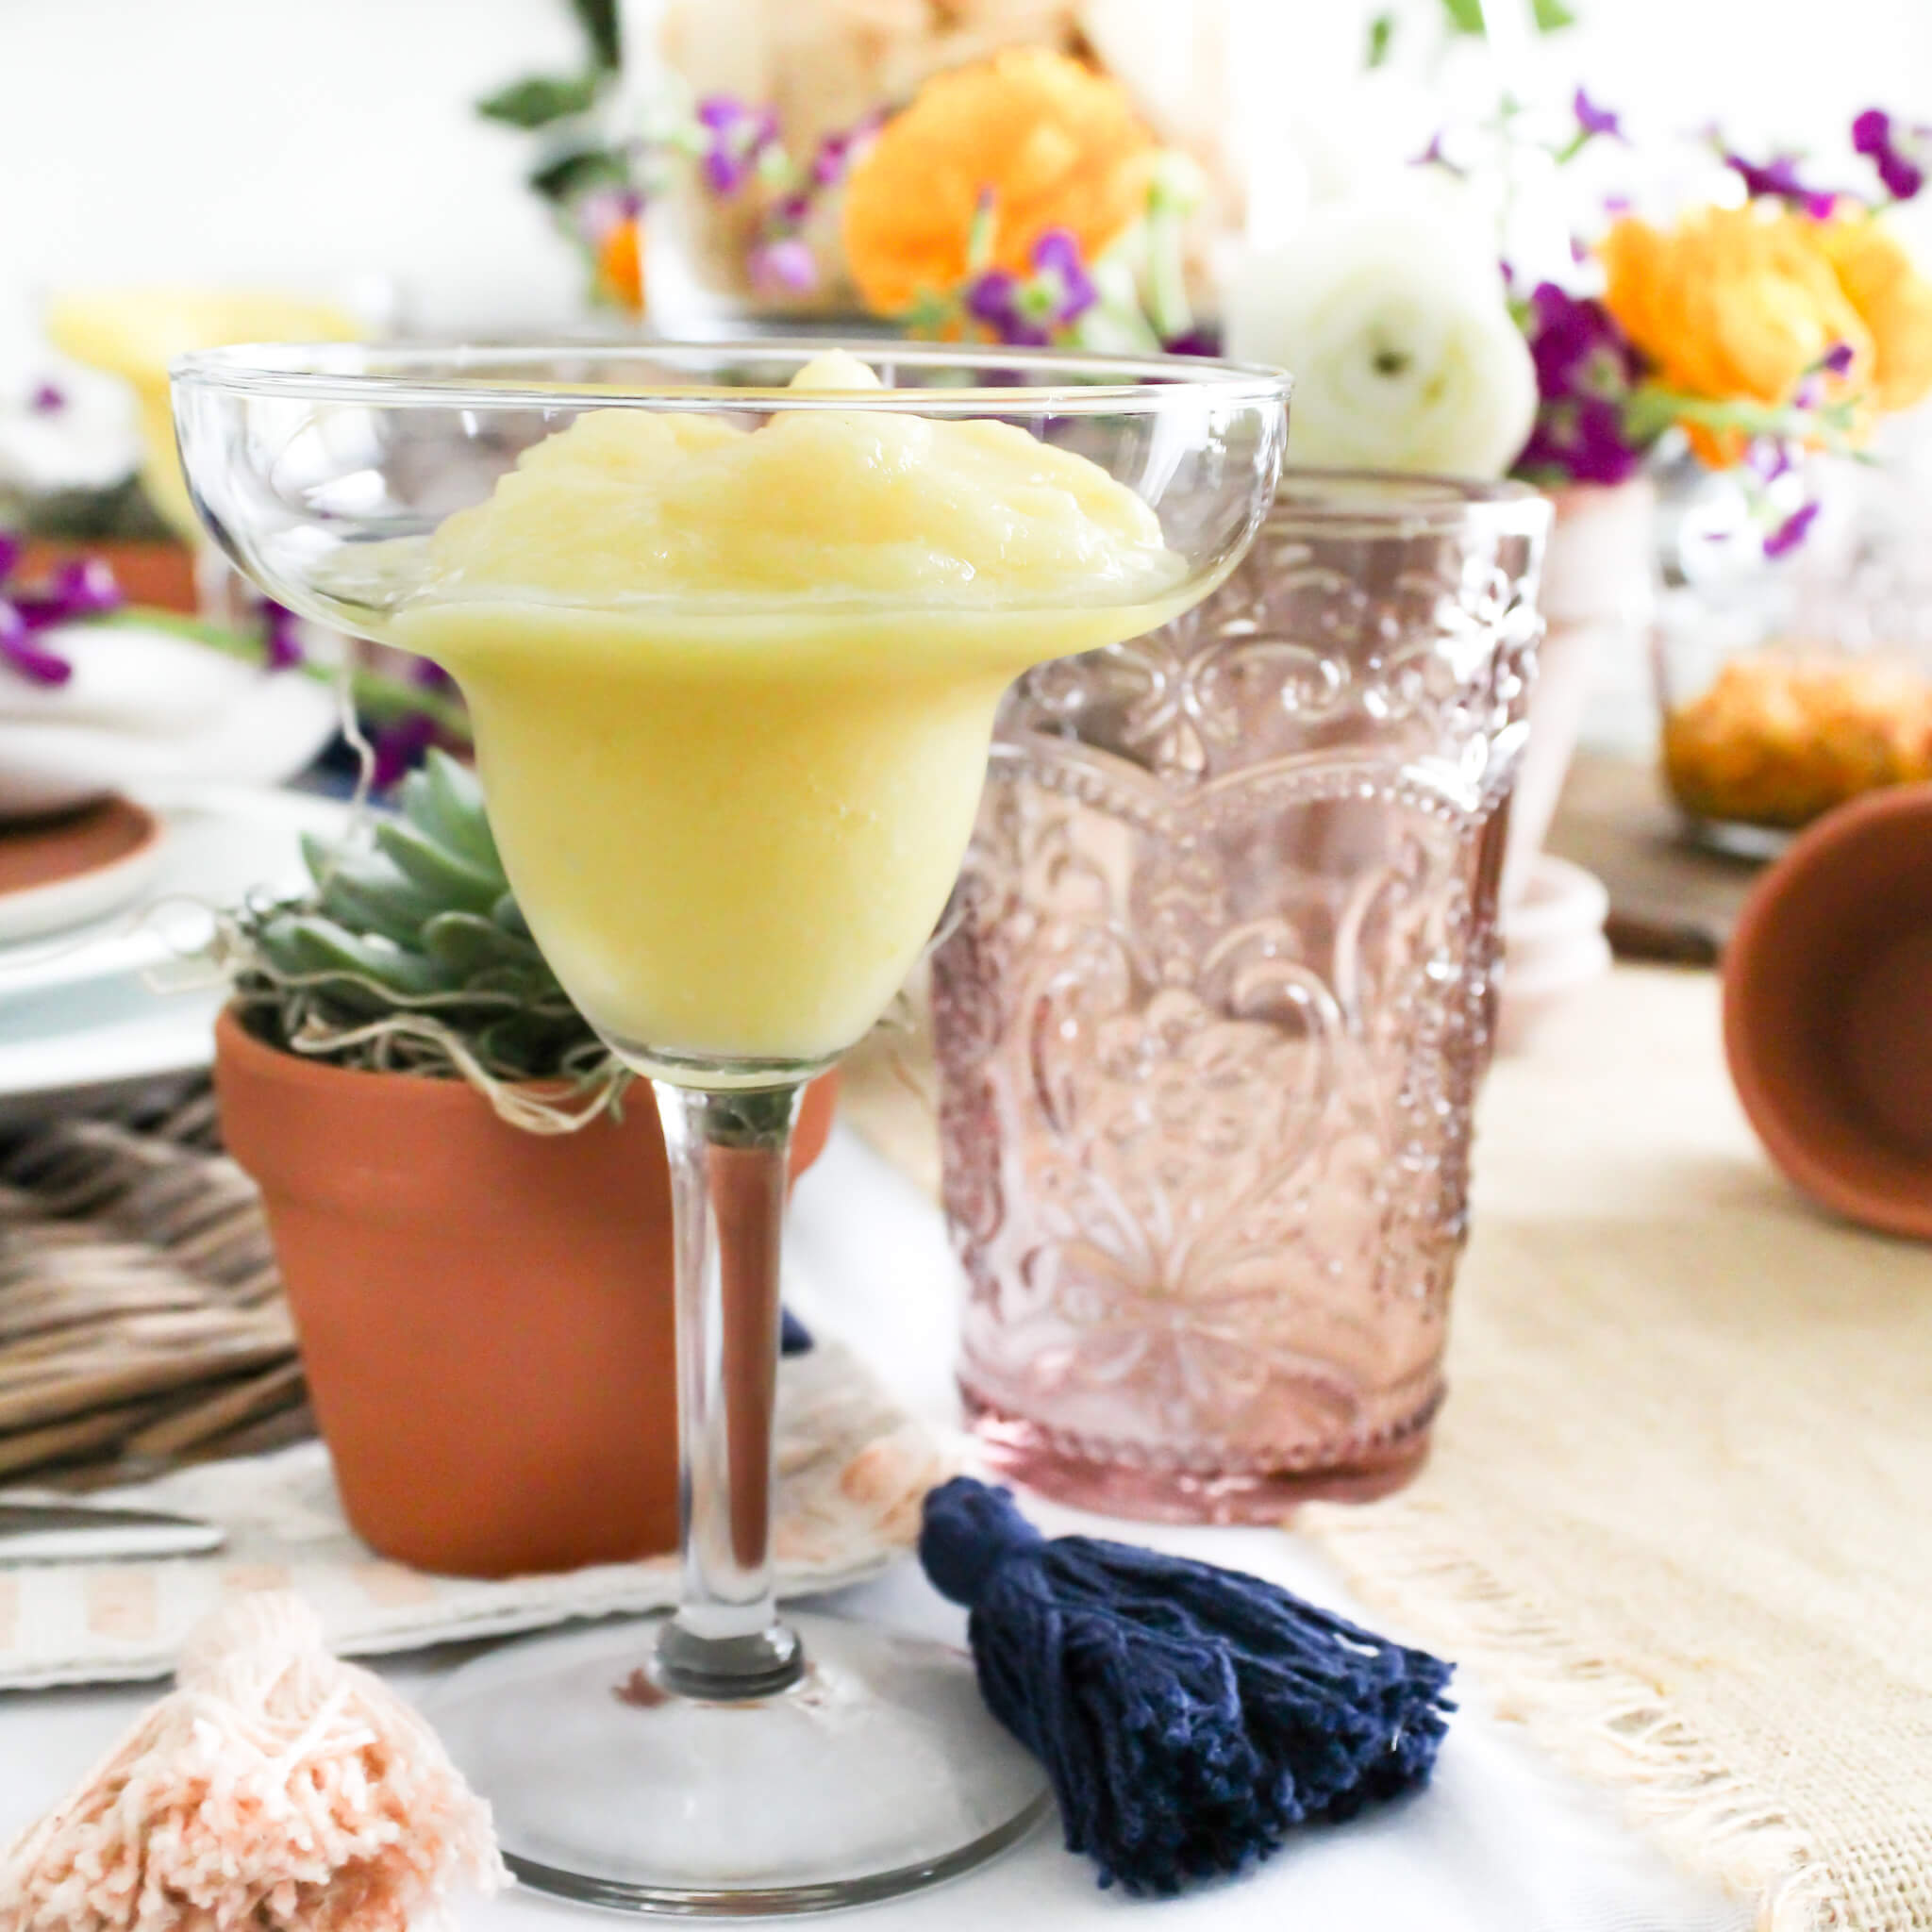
(1498, 1843)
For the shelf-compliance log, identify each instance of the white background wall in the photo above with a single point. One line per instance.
(309, 140)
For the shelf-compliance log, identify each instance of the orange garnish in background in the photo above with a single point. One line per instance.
(1051, 143)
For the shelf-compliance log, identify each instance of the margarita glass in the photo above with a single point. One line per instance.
(732, 622)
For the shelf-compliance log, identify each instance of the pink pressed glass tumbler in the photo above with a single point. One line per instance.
(1215, 1004)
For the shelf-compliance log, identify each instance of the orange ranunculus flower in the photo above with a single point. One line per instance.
(1896, 301)
(1734, 305)
(1053, 143)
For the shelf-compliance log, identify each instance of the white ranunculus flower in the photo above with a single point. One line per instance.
(1392, 317)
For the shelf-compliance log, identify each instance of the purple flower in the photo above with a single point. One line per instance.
(1580, 440)
(1837, 360)
(83, 588)
(777, 260)
(1200, 339)
(736, 138)
(1777, 179)
(1433, 157)
(21, 654)
(1056, 257)
(1576, 345)
(994, 297)
(1585, 369)
(399, 746)
(1899, 156)
(836, 152)
(1792, 532)
(1592, 119)
(1028, 312)
(48, 399)
(784, 265)
(282, 633)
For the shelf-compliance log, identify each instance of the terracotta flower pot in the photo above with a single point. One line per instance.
(484, 1315)
(1828, 1011)
(160, 573)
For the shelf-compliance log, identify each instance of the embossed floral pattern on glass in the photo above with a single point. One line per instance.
(1216, 1003)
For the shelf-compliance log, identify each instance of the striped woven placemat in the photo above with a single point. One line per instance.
(142, 1318)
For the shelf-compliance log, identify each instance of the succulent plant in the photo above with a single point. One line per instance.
(410, 951)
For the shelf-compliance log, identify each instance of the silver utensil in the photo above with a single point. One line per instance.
(79, 1533)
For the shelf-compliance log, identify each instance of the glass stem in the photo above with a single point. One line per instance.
(729, 1166)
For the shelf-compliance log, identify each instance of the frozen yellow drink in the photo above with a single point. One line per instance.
(733, 692)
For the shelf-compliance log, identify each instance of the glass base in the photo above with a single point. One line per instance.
(878, 1772)
(1027, 1454)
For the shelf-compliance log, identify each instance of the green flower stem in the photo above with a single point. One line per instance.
(1172, 196)
(1651, 409)
(378, 696)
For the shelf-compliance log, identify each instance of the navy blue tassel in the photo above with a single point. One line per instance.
(794, 1337)
(1187, 1717)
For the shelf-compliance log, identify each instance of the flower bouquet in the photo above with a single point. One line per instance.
(1730, 353)
(1454, 307)
(996, 178)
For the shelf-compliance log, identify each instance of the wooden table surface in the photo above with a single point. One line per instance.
(1671, 900)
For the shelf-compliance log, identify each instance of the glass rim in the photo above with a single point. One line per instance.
(1397, 502)
(432, 375)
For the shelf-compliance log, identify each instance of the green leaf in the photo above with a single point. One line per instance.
(447, 800)
(529, 1041)
(457, 883)
(302, 945)
(541, 98)
(370, 895)
(1464, 16)
(598, 19)
(571, 174)
(469, 945)
(1552, 16)
(1381, 36)
(510, 915)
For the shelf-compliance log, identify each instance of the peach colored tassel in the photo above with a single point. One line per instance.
(276, 1790)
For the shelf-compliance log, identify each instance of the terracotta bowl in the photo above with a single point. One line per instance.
(1828, 1011)
(484, 1315)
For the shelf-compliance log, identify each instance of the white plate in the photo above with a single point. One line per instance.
(81, 1047)
(34, 911)
(224, 841)
(116, 1006)
(146, 709)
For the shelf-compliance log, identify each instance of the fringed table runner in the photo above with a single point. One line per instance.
(1678, 1520)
